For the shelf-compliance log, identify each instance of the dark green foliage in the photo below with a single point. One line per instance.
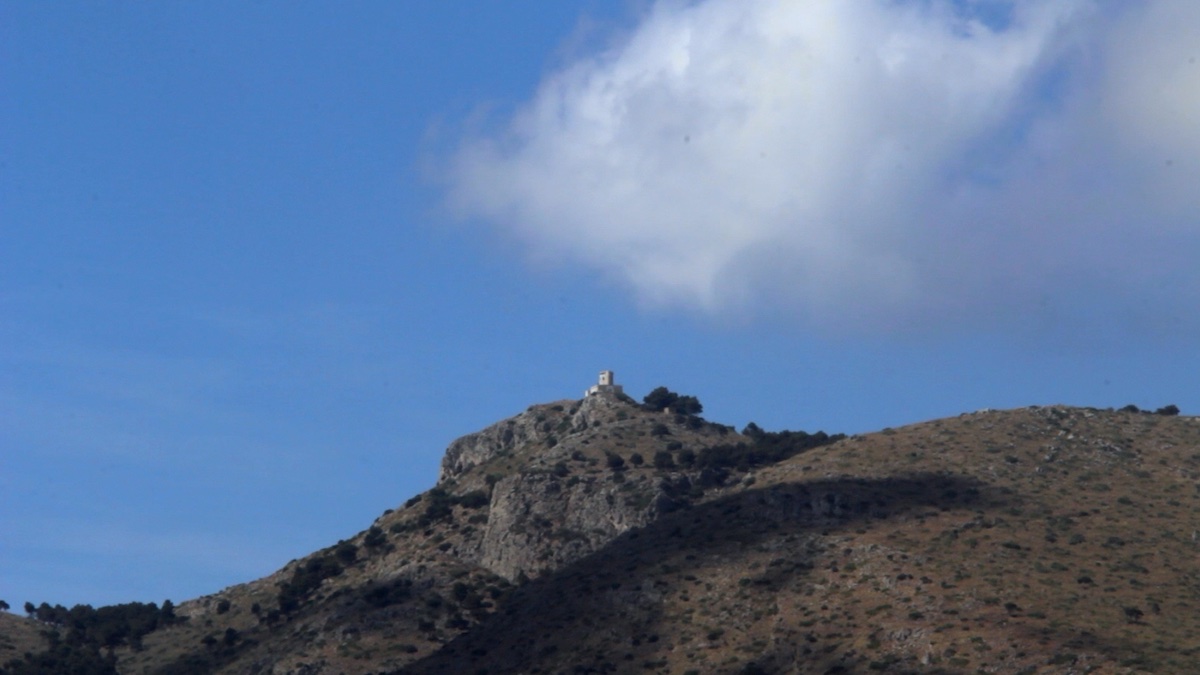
(64, 657)
(1167, 410)
(439, 504)
(687, 405)
(614, 461)
(663, 460)
(636, 459)
(108, 626)
(665, 399)
(765, 448)
(660, 429)
(305, 579)
(660, 398)
(223, 606)
(345, 552)
(166, 614)
(375, 538)
(382, 595)
(88, 632)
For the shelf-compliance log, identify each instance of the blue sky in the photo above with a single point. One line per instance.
(261, 262)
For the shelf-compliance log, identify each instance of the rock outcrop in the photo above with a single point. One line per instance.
(572, 492)
(528, 428)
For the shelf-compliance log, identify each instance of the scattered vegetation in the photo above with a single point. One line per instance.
(307, 577)
(1021, 541)
(765, 448)
(662, 398)
(439, 504)
(78, 635)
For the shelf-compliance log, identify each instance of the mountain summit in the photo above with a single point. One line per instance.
(605, 536)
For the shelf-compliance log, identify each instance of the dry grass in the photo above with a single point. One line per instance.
(18, 636)
(1036, 540)
(1049, 540)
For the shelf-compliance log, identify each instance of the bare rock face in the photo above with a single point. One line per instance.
(539, 522)
(539, 425)
(577, 487)
(554, 509)
(527, 428)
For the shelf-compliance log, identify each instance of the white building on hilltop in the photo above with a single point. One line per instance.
(605, 385)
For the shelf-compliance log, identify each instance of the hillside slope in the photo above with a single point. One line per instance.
(599, 536)
(1036, 540)
(525, 496)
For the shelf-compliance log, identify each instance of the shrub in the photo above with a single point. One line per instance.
(382, 595)
(687, 405)
(306, 578)
(438, 506)
(765, 448)
(664, 399)
(663, 460)
(345, 552)
(375, 538)
(660, 398)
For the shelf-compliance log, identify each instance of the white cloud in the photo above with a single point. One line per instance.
(859, 162)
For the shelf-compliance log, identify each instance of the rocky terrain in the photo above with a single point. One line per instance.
(603, 536)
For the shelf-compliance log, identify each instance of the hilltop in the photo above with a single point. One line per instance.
(601, 535)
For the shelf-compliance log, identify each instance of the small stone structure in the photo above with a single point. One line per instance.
(605, 385)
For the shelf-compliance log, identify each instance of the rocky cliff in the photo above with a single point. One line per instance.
(517, 500)
(564, 478)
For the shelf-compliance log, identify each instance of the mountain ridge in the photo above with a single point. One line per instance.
(599, 535)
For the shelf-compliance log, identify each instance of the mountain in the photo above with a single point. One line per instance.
(603, 536)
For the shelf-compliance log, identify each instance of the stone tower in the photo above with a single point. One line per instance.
(606, 384)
